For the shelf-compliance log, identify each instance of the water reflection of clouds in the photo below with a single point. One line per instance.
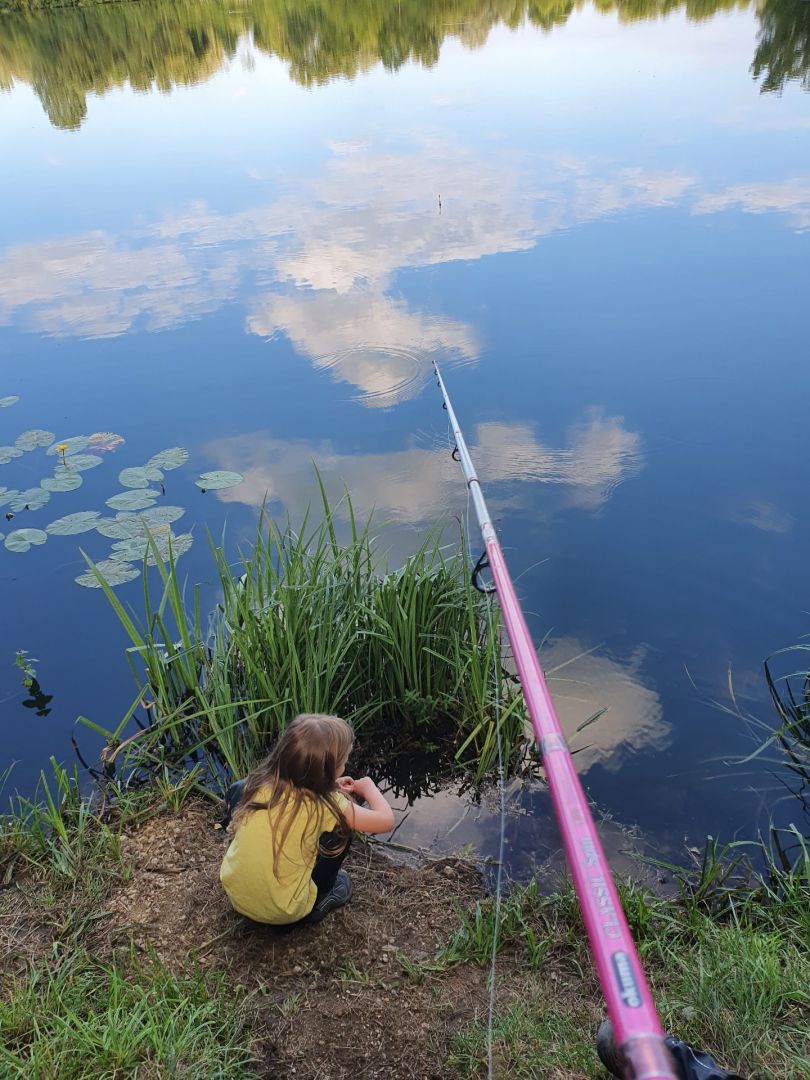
(366, 338)
(417, 485)
(633, 718)
(761, 514)
(791, 197)
(318, 266)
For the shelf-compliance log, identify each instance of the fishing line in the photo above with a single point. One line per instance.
(493, 963)
(501, 848)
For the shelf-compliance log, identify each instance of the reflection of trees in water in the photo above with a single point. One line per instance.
(68, 54)
(783, 47)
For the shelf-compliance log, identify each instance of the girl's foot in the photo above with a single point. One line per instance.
(338, 896)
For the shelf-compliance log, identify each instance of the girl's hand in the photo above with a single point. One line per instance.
(346, 784)
(363, 787)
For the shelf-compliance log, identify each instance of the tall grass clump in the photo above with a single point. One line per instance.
(308, 622)
(56, 830)
(76, 1018)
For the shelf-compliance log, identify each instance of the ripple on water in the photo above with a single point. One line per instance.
(384, 374)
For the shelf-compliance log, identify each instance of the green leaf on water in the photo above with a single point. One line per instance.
(73, 445)
(160, 515)
(113, 572)
(134, 549)
(114, 529)
(8, 453)
(169, 459)
(213, 481)
(30, 440)
(23, 539)
(139, 476)
(133, 500)
(6, 401)
(66, 480)
(127, 525)
(31, 499)
(7, 495)
(83, 462)
(73, 524)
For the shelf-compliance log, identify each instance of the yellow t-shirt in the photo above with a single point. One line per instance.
(285, 893)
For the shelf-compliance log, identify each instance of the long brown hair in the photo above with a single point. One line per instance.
(301, 768)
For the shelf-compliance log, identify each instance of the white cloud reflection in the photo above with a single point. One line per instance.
(417, 485)
(319, 265)
(633, 717)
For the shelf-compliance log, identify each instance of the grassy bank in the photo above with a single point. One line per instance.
(122, 958)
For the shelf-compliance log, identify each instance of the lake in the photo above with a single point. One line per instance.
(248, 230)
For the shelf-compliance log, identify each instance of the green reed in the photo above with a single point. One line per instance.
(308, 622)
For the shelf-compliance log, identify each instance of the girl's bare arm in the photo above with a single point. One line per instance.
(376, 817)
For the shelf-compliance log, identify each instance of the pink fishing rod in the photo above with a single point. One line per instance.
(636, 1026)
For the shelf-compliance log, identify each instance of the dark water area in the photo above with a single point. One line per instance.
(248, 230)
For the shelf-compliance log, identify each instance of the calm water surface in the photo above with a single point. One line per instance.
(247, 231)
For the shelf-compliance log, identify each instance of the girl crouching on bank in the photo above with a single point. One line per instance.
(292, 821)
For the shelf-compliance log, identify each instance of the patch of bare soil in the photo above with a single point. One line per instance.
(333, 1000)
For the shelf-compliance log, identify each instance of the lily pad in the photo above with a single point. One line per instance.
(161, 515)
(7, 495)
(66, 447)
(63, 481)
(214, 481)
(30, 499)
(133, 500)
(113, 572)
(73, 524)
(23, 539)
(134, 549)
(6, 401)
(139, 476)
(8, 453)
(104, 440)
(30, 440)
(169, 459)
(126, 525)
(83, 462)
(115, 529)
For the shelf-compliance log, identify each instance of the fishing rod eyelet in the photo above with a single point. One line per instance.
(454, 454)
(482, 564)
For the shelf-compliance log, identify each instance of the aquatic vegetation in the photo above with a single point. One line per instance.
(5, 402)
(139, 477)
(310, 623)
(30, 499)
(69, 446)
(105, 441)
(30, 440)
(140, 528)
(64, 481)
(220, 478)
(133, 500)
(169, 459)
(23, 539)
(73, 524)
(126, 525)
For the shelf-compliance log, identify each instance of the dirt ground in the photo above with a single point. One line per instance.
(334, 1000)
(331, 1001)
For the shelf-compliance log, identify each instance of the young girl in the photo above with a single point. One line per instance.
(292, 821)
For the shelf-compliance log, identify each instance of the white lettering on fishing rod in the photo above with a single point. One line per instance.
(601, 893)
(626, 980)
